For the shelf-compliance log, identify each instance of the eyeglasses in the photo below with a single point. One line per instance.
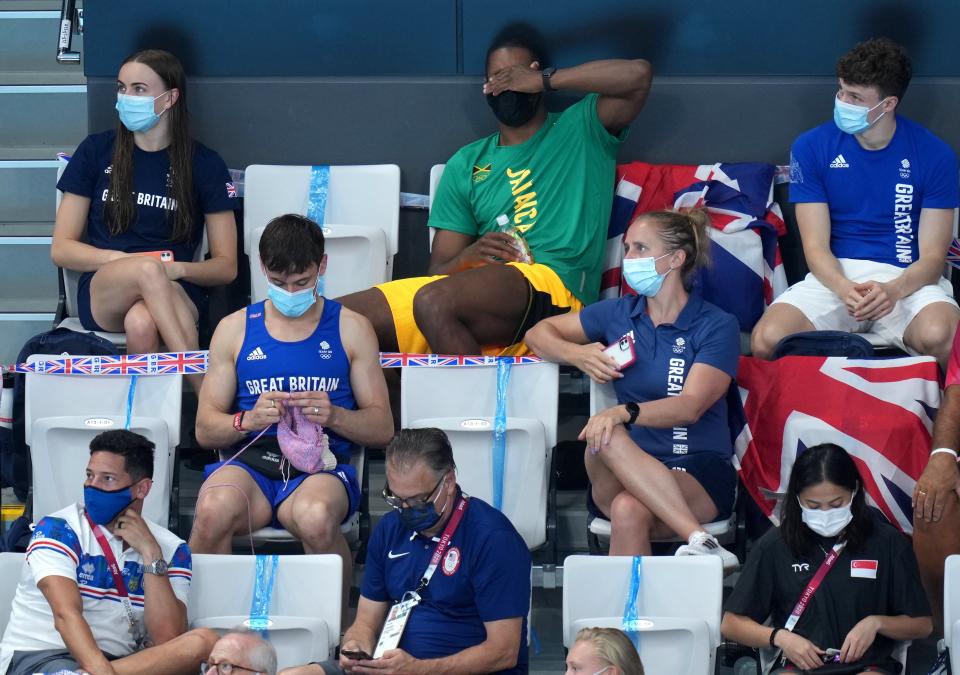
(411, 502)
(224, 669)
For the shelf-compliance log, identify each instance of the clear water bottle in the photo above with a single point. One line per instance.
(745, 665)
(523, 249)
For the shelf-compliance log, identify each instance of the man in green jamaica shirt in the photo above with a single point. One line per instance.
(544, 177)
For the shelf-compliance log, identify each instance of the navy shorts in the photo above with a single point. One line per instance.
(276, 490)
(196, 294)
(44, 661)
(713, 472)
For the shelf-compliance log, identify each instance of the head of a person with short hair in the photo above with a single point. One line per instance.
(293, 259)
(119, 474)
(421, 478)
(241, 652)
(664, 249)
(873, 79)
(603, 650)
(825, 498)
(518, 44)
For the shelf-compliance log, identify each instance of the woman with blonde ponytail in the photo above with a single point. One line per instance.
(603, 650)
(659, 462)
(135, 203)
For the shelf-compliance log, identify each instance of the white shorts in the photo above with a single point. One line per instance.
(827, 311)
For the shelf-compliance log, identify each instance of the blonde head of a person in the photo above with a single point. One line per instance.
(603, 650)
(664, 249)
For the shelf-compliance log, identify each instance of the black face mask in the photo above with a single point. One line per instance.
(514, 108)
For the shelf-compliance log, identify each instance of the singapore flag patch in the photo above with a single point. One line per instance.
(863, 569)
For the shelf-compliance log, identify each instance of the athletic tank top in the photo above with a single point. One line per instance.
(318, 363)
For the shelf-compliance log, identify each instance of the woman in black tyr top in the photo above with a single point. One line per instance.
(870, 597)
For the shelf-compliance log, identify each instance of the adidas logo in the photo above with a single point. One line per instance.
(256, 355)
(839, 163)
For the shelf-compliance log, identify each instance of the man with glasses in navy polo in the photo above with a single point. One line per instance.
(446, 588)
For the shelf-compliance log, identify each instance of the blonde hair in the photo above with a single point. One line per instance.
(684, 231)
(614, 648)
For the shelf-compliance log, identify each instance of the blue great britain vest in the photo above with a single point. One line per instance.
(318, 363)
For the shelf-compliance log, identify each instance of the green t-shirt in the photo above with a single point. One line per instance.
(556, 188)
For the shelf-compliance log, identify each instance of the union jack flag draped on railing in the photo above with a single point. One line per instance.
(881, 411)
(747, 272)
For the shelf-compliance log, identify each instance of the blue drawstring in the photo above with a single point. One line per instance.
(262, 593)
(500, 431)
(317, 201)
(130, 394)
(631, 612)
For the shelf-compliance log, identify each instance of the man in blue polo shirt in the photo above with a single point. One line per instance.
(472, 613)
(875, 194)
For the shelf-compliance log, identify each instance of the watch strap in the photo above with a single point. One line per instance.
(546, 74)
(633, 410)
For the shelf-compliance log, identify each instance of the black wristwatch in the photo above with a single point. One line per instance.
(634, 410)
(546, 74)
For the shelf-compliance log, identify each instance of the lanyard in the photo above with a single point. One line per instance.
(814, 585)
(118, 581)
(443, 544)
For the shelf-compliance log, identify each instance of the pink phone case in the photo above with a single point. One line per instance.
(622, 351)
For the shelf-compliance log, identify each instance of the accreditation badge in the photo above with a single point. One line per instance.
(396, 621)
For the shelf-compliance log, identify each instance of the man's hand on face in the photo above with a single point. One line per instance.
(526, 79)
(133, 530)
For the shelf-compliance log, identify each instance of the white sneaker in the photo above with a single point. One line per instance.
(702, 543)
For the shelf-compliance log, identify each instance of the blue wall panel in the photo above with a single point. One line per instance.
(318, 38)
(738, 37)
(236, 38)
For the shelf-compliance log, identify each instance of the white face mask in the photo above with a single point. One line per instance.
(828, 522)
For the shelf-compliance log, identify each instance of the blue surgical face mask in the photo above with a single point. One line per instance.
(136, 112)
(853, 119)
(103, 506)
(422, 518)
(641, 275)
(296, 303)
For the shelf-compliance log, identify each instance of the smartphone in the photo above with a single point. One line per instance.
(622, 351)
(832, 655)
(356, 656)
(164, 256)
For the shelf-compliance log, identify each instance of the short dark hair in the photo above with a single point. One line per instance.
(824, 462)
(428, 445)
(137, 451)
(520, 35)
(880, 63)
(291, 243)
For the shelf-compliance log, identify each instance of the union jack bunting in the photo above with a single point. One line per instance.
(189, 363)
(881, 411)
(747, 272)
(398, 360)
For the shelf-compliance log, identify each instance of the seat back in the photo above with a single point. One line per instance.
(304, 610)
(602, 396)
(462, 402)
(951, 609)
(11, 564)
(679, 603)
(361, 221)
(64, 412)
(436, 171)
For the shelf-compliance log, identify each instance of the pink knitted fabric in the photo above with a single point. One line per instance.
(304, 443)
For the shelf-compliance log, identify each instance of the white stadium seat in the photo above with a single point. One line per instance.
(603, 396)
(679, 603)
(64, 412)
(462, 402)
(361, 223)
(275, 535)
(304, 611)
(951, 610)
(435, 172)
(11, 565)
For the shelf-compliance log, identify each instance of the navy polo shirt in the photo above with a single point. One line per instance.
(88, 175)
(702, 333)
(484, 576)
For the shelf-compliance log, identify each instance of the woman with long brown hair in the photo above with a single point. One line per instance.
(135, 203)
